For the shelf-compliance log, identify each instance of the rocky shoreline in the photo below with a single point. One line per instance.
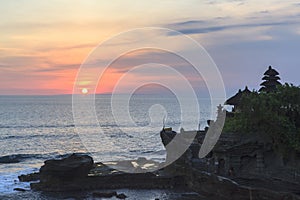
(78, 172)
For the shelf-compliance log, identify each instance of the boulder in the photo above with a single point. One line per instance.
(29, 177)
(75, 166)
(20, 189)
(121, 196)
(104, 194)
(64, 174)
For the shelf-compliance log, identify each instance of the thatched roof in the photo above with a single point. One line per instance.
(236, 99)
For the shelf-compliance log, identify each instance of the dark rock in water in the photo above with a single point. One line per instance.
(29, 177)
(78, 173)
(10, 159)
(109, 195)
(74, 166)
(115, 180)
(59, 175)
(75, 173)
(121, 196)
(104, 194)
(191, 195)
(167, 136)
(20, 189)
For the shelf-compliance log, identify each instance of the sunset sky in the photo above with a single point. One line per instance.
(43, 43)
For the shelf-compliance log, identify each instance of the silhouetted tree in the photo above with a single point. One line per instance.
(274, 115)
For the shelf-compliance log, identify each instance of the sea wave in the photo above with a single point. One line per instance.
(18, 137)
(37, 126)
(16, 158)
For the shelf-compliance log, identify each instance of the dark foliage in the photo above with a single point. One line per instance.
(275, 116)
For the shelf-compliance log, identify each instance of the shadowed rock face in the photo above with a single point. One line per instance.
(78, 172)
(29, 177)
(220, 188)
(73, 167)
(74, 174)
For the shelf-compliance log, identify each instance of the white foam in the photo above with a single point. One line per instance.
(9, 181)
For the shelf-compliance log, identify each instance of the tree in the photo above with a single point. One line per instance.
(275, 116)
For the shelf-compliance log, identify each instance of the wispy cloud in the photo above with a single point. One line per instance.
(21, 62)
(63, 48)
(33, 63)
(209, 29)
(239, 2)
(189, 22)
(126, 62)
(58, 67)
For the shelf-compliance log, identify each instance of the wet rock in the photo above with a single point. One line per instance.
(10, 159)
(167, 135)
(75, 174)
(64, 174)
(74, 166)
(20, 189)
(29, 177)
(121, 196)
(104, 194)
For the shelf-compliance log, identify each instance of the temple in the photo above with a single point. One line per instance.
(236, 99)
(270, 80)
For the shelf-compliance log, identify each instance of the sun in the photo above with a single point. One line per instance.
(84, 91)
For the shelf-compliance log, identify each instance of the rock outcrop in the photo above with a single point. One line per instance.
(29, 177)
(220, 188)
(73, 167)
(79, 172)
(215, 186)
(54, 174)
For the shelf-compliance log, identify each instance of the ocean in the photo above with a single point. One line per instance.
(36, 128)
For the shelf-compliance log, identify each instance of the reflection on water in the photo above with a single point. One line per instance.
(36, 128)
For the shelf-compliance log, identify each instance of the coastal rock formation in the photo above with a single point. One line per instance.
(121, 196)
(29, 177)
(181, 176)
(109, 195)
(74, 166)
(104, 194)
(54, 173)
(221, 188)
(79, 172)
(225, 174)
(20, 190)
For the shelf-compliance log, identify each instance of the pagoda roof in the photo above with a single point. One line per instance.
(267, 78)
(270, 83)
(271, 72)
